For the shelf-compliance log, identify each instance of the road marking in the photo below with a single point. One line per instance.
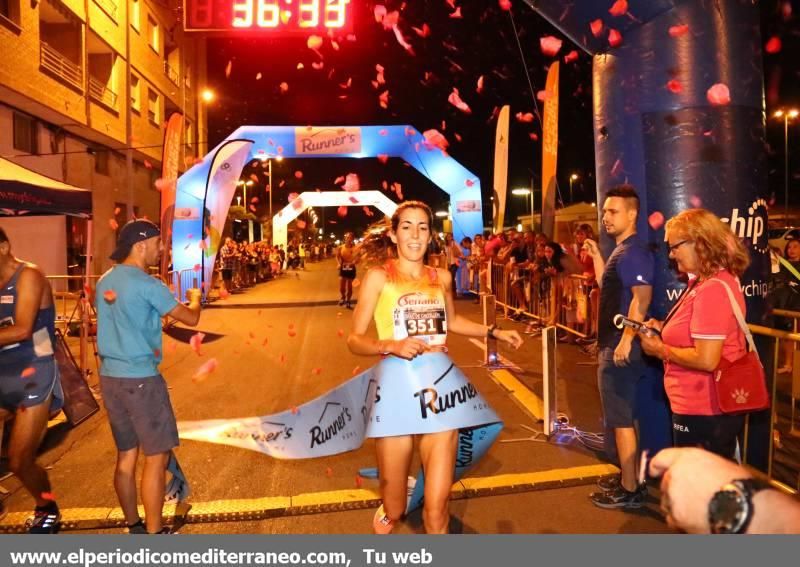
(320, 502)
(520, 393)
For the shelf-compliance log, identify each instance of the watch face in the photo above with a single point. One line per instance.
(726, 511)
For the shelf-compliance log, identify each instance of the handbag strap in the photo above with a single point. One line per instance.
(789, 268)
(737, 312)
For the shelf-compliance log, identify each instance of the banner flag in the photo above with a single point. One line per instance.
(340, 420)
(500, 169)
(550, 151)
(170, 164)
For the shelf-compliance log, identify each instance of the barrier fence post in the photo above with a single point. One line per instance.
(489, 318)
(549, 375)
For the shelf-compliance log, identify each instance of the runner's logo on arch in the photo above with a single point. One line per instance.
(320, 141)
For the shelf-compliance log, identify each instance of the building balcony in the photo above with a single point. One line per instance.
(171, 74)
(60, 67)
(109, 7)
(102, 94)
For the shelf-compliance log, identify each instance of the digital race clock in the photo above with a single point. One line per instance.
(282, 16)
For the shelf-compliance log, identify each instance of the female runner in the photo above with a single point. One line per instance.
(420, 393)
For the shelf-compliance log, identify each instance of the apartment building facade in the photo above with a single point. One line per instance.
(86, 87)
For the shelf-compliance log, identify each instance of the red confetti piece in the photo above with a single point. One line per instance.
(469, 182)
(196, 341)
(224, 293)
(228, 69)
(597, 27)
(571, 56)
(616, 169)
(619, 8)
(383, 132)
(258, 76)
(359, 482)
(695, 201)
(294, 410)
(351, 183)
(284, 86)
(340, 333)
(379, 11)
(533, 136)
(402, 40)
(298, 174)
(301, 224)
(383, 158)
(342, 211)
(425, 31)
(678, 31)
(614, 38)
(719, 94)
(197, 267)
(479, 86)
(383, 99)
(147, 164)
(208, 368)
(339, 314)
(282, 358)
(292, 333)
(435, 139)
(674, 86)
(316, 371)
(542, 95)
(524, 117)
(774, 45)
(455, 100)
(457, 13)
(116, 211)
(328, 472)
(314, 42)
(110, 296)
(50, 496)
(656, 220)
(113, 224)
(505, 5)
(550, 45)
(356, 370)
(28, 372)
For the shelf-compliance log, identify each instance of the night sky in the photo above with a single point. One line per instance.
(246, 72)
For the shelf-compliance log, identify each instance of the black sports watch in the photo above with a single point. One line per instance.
(731, 508)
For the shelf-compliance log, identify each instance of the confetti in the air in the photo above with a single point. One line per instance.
(505, 4)
(656, 220)
(774, 45)
(228, 69)
(678, 31)
(113, 224)
(597, 27)
(695, 201)
(196, 341)
(550, 45)
(110, 296)
(28, 372)
(524, 116)
(614, 38)
(719, 94)
(674, 86)
(205, 370)
(455, 100)
(619, 8)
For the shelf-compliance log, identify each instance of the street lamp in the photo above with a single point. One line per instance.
(208, 96)
(269, 180)
(245, 184)
(572, 179)
(524, 192)
(787, 114)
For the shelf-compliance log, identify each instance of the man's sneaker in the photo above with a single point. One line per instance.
(584, 341)
(348, 305)
(341, 303)
(619, 498)
(44, 520)
(166, 530)
(381, 524)
(609, 482)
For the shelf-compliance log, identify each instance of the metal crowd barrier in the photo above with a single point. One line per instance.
(568, 302)
(72, 296)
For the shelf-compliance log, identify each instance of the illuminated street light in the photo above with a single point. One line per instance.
(524, 192)
(572, 179)
(441, 214)
(208, 95)
(787, 114)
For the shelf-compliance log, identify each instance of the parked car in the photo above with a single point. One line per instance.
(778, 237)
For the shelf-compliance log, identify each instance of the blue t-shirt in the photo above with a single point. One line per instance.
(629, 265)
(129, 327)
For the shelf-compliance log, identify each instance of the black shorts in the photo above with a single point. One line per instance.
(715, 433)
(227, 273)
(27, 384)
(140, 413)
(348, 273)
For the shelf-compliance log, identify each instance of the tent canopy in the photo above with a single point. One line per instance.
(23, 191)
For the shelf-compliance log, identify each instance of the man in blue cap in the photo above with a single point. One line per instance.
(130, 305)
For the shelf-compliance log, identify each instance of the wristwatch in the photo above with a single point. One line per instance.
(490, 331)
(731, 508)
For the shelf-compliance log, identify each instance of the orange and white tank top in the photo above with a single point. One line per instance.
(411, 308)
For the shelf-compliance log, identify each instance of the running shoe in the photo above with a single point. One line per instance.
(44, 520)
(348, 305)
(609, 482)
(381, 524)
(619, 498)
(341, 303)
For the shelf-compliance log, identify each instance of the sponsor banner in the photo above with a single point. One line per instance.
(309, 140)
(170, 162)
(224, 175)
(428, 394)
(469, 206)
(187, 213)
(500, 169)
(550, 151)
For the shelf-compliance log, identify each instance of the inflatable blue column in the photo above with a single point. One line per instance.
(656, 129)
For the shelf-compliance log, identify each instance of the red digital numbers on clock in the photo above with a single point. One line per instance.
(285, 15)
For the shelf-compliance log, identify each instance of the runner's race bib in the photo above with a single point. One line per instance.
(348, 268)
(428, 324)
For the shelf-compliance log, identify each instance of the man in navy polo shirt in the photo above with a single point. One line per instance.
(625, 288)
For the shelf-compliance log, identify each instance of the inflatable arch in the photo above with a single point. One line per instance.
(205, 191)
(327, 199)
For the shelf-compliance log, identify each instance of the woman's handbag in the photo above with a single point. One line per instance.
(741, 385)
